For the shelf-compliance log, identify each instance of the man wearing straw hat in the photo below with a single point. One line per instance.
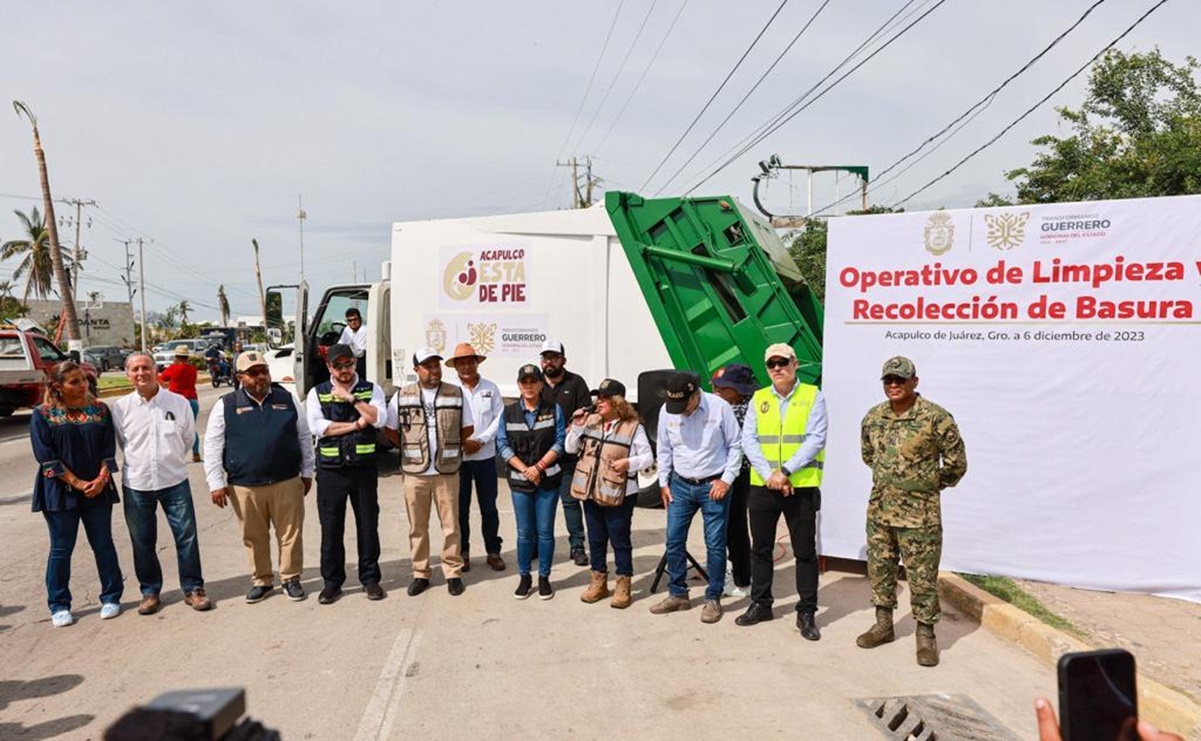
(180, 378)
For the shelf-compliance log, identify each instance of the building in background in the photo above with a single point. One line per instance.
(102, 322)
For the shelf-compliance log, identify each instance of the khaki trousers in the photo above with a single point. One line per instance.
(441, 491)
(280, 505)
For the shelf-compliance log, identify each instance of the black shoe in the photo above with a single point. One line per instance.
(523, 587)
(293, 590)
(545, 590)
(417, 586)
(466, 561)
(258, 593)
(579, 556)
(374, 591)
(455, 586)
(329, 594)
(808, 625)
(754, 614)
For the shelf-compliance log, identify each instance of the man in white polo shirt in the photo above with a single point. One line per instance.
(155, 429)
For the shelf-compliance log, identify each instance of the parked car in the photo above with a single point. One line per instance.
(25, 358)
(108, 357)
(164, 354)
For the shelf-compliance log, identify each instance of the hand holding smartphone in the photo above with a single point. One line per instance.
(1098, 700)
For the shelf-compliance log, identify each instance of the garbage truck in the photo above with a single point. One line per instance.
(630, 289)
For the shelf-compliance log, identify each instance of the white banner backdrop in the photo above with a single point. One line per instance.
(1066, 341)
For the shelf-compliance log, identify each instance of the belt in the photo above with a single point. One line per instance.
(698, 482)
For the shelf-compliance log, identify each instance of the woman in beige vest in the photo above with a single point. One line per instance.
(613, 447)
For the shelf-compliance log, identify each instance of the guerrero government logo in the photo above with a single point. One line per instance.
(939, 233)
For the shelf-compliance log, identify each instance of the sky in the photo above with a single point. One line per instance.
(197, 127)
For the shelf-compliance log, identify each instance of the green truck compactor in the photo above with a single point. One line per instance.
(720, 284)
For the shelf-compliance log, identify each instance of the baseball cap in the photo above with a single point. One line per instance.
(529, 370)
(609, 387)
(779, 350)
(423, 354)
(680, 387)
(552, 346)
(738, 377)
(900, 366)
(250, 359)
(338, 351)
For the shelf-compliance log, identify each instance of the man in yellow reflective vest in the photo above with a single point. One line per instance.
(784, 438)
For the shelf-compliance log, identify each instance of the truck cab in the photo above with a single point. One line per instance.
(26, 357)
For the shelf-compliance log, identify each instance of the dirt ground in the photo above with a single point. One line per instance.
(1161, 632)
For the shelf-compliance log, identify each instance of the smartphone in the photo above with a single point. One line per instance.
(1097, 697)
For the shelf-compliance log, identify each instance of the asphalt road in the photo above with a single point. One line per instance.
(481, 665)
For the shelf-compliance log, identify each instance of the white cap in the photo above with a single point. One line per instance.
(552, 346)
(425, 353)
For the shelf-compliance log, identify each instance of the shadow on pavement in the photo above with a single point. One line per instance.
(16, 690)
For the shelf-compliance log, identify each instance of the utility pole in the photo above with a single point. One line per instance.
(142, 289)
(580, 198)
(259, 275)
(301, 216)
(78, 253)
(128, 277)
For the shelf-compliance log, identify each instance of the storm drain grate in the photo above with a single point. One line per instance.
(934, 718)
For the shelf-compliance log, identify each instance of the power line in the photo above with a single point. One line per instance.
(819, 96)
(1034, 107)
(620, 68)
(642, 76)
(716, 92)
(754, 87)
(799, 99)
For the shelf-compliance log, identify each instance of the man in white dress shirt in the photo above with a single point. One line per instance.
(155, 429)
(355, 335)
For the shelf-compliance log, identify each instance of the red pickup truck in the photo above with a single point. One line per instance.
(25, 358)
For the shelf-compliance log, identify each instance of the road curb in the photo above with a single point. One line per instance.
(1162, 706)
(201, 378)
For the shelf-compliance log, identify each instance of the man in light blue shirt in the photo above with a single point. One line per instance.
(699, 457)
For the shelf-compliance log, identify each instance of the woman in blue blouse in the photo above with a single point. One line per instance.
(73, 440)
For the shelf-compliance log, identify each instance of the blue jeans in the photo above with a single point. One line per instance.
(573, 514)
(483, 475)
(195, 404)
(535, 513)
(64, 528)
(141, 515)
(686, 500)
(611, 525)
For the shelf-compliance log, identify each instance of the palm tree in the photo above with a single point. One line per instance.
(6, 289)
(223, 305)
(56, 255)
(34, 249)
(183, 308)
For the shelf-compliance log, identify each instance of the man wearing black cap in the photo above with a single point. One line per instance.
(346, 414)
(699, 457)
(429, 421)
(736, 384)
(570, 392)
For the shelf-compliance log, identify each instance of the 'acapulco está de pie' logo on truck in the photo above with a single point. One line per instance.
(487, 275)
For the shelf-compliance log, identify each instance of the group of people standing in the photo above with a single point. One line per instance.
(742, 456)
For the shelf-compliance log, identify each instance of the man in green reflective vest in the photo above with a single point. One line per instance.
(346, 414)
(784, 438)
(914, 450)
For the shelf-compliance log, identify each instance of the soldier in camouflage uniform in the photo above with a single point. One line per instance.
(914, 450)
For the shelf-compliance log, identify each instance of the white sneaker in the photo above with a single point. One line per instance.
(62, 619)
(735, 591)
(109, 610)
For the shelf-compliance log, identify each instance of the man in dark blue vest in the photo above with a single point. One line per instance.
(259, 456)
(346, 414)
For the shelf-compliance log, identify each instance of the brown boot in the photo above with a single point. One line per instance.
(598, 589)
(927, 645)
(621, 594)
(880, 633)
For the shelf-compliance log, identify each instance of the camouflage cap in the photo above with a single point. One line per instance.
(900, 366)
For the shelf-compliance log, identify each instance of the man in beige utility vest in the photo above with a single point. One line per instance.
(429, 421)
(784, 438)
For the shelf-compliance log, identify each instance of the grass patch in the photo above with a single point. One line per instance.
(1008, 590)
(113, 382)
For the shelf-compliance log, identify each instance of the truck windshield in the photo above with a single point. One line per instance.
(48, 350)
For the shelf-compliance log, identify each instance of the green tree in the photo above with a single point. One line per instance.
(33, 248)
(1137, 134)
(808, 248)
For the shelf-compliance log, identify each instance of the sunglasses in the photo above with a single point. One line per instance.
(778, 363)
(255, 372)
(344, 366)
(894, 381)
